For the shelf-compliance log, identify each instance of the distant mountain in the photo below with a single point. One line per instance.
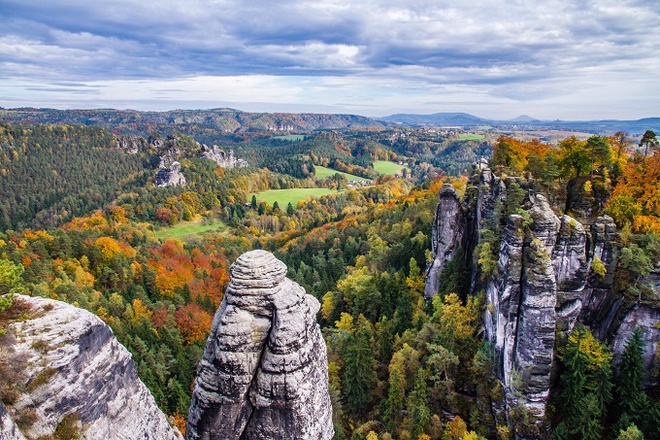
(440, 119)
(524, 118)
(526, 122)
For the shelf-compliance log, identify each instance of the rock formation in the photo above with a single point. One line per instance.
(264, 370)
(543, 281)
(170, 176)
(446, 236)
(64, 365)
(223, 159)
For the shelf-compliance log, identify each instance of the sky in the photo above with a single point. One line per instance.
(549, 59)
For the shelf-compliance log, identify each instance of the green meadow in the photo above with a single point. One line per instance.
(291, 137)
(285, 196)
(470, 137)
(183, 230)
(323, 172)
(387, 167)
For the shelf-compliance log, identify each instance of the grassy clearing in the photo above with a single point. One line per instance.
(291, 137)
(323, 172)
(188, 229)
(470, 137)
(386, 167)
(293, 195)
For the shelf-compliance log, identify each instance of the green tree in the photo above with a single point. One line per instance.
(395, 399)
(10, 280)
(600, 153)
(629, 385)
(575, 157)
(418, 405)
(359, 369)
(586, 383)
(649, 139)
(631, 433)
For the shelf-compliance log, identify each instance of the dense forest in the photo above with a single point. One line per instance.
(80, 223)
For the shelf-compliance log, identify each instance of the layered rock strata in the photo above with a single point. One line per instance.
(65, 362)
(447, 236)
(264, 370)
(543, 281)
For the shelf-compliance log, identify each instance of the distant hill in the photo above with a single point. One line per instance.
(522, 122)
(222, 120)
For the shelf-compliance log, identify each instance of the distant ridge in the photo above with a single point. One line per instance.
(224, 120)
(467, 120)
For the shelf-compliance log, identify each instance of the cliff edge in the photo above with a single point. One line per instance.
(64, 373)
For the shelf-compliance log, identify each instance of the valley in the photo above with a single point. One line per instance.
(476, 285)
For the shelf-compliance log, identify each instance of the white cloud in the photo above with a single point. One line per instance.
(374, 56)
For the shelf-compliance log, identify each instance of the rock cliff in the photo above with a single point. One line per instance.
(447, 236)
(543, 280)
(170, 176)
(223, 159)
(64, 369)
(264, 370)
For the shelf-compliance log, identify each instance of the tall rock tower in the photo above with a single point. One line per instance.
(264, 373)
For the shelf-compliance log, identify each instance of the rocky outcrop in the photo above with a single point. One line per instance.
(543, 281)
(170, 176)
(66, 366)
(223, 159)
(264, 370)
(447, 235)
(520, 317)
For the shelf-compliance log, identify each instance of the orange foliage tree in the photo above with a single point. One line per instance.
(193, 322)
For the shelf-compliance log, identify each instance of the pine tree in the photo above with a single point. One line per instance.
(418, 405)
(359, 369)
(631, 399)
(395, 399)
(586, 384)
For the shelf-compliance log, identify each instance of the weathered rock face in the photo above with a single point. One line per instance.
(645, 318)
(264, 370)
(520, 318)
(8, 429)
(570, 262)
(447, 235)
(171, 176)
(65, 362)
(223, 159)
(543, 283)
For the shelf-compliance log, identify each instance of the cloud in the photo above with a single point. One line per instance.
(513, 53)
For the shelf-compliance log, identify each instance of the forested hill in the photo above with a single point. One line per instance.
(215, 121)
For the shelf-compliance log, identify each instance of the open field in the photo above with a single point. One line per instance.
(470, 137)
(291, 137)
(387, 167)
(189, 229)
(323, 172)
(293, 195)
